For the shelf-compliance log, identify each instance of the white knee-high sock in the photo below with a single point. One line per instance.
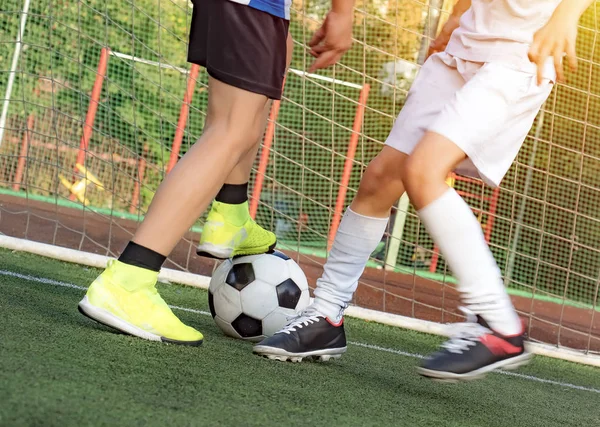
(456, 231)
(356, 239)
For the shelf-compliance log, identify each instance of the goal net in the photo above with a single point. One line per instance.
(98, 103)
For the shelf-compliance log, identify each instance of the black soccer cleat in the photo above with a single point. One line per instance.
(310, 335)
(474, 351)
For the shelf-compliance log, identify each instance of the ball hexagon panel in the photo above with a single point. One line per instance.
(288, 294)
(247, 327)
(258, 299)
(240, 275)
(226, 328)
(219, 275)
(297, 275)
(227, 303)
(211, 304)
(271, 269)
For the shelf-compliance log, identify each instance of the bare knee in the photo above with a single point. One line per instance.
(374, 178)
(418, 173)
(381, 185)
(237, 139)
(424, 182)
(414, 173)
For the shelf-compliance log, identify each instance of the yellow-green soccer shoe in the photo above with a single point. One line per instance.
(124, 297)
(229, 231)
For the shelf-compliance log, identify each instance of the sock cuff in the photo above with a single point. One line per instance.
(140, 256)
(448, 195)
(368, 230)
(365, 217)
(354, 222)
(233, 194)
(356, 238)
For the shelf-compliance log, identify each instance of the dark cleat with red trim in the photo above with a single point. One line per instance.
(309, 335)
(475, 350)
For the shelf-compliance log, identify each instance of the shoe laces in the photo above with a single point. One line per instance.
(306, 317)
(466, 334)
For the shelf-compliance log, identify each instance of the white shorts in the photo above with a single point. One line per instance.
(486, 109)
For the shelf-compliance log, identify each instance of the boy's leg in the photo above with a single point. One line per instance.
(365, 221)
(359, 233)
(186, 192)
(124, 295)
(319, 331)
(457, 232)
(229, 230)
(495, 337)
(486, 122)
(244, 52)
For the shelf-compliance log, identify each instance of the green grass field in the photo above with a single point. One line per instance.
(59, 368)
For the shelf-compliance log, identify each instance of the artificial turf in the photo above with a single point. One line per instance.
(59, 368)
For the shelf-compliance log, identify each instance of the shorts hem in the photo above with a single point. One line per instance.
(471, 155)
(477, 162)
(255, 87)
(191, 60)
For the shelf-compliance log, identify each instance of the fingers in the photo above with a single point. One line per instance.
(572, 56)
(534, 51)
(318, 36)
(324, 60)
(538, 52)
(540, 75)
(540, 61)
(555, 39)
(319, 49)
(433, 48)
(558, 66)
(432, 51)
(316, 51)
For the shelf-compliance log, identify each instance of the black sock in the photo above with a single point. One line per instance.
(140, 256)
(233, 194)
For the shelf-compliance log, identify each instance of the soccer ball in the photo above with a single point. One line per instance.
(251, 297)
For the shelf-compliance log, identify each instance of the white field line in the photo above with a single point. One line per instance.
(358, 344)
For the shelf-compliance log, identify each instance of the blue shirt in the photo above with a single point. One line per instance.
(279, 8)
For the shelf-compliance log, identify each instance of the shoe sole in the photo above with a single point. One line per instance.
(108, 319)
(208, 250)
(274, 353)
(451, 377)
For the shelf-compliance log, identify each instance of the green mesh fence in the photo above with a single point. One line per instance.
(543, 223)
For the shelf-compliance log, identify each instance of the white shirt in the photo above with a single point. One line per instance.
(501, 31)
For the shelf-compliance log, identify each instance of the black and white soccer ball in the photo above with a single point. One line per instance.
(252, 297)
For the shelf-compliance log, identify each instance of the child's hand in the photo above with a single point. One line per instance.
(555, 39)
(441, 41)
(332, 40)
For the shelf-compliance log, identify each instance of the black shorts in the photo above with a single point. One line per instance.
(239, 45)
